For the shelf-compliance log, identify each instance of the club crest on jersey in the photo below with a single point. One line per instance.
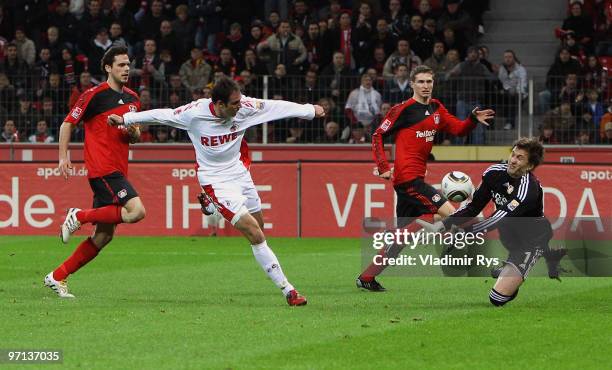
(436, 117)
(436, 198)
(122, 193)
(76, 112)
(132, 108)
(234, 127)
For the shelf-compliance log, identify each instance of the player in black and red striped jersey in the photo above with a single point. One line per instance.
(414, 124)
(106, 157)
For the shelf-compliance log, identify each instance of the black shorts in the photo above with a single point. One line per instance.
(416, 198)
(111, 189)
(524, 259)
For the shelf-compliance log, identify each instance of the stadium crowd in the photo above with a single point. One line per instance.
(352, 57)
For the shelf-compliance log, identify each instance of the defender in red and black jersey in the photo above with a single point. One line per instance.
(415, 123)
(106, 158)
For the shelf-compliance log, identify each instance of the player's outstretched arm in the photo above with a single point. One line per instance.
(64, 139)
(272, 110)
(179, 118)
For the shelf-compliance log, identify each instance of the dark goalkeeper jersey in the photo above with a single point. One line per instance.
(106, 147)
(414, 126)
(519, 207)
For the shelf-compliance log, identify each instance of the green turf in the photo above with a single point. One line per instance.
(202, 303)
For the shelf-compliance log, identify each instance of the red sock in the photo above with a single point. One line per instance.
(373, 269)
(104, 215)
(85, 252)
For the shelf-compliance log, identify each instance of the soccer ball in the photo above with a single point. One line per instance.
(457, 186)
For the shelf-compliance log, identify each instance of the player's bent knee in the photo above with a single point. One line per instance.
(498, 299)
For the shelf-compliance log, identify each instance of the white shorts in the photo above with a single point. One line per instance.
(235, 197)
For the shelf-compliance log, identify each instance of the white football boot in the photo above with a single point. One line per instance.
(70, 225)
(59, 287)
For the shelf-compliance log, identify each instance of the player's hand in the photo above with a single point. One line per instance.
(133, 134)
(319, 112)
(115, 120)
(436, 227)
(65, 166)
(386, 175)
(483, 115)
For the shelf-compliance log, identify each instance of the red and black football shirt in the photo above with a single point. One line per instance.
(106, 147)
(414, 126)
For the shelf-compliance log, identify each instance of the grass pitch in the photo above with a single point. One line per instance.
(204, 303)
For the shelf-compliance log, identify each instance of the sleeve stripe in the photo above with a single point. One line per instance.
(498, 215)
(496, 167)
(522, 192)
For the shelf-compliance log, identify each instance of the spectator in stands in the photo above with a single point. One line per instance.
(363, 105)
(236, 42)
(252, 63)
(15, 68)
(594, 106)
(285, 48)
(438, 61)
(402, 55)
(301, 14)
(146, 100)
(556, 75)
(184, 28)
(580, 24)
(65, 23)
(175, 86)
(331, 11)
(31, 16)
(562, 121)
(167, 40)
(453, 41)
(297, 132)
(547, 135)
(361, 38)
(570, 91)
(84, 84)
(42, 134)
(6, 24)
(255, 35)
(398, 88)
(117, 38)
(97, 49)
(148, 26)
(358, 136)
(318, 51)
(24, 116)
(226, 63)
(513, 78)
(43, 67)
(430, 25)
(383, 37)
(9, 132)
(605, 120)
(595, 76)
(92, 21)
(26, 50)
(54, 43)
(8, 96)
(458, 20)
(607, 138)
(342, 40)
(576, 50)
(603, 31)
(209, 13)
(69, 67)
(471, 76)
(167, 66)
(420, 39)
(378, 82)
(145, 134)
(48, 113)
(583, 138)
(309, 88)
(378, 60)
(331, 133)
(483, 58)
(337, 77)
(145, 70)
(280, 86)
(272, 23)
(124, 17)
(57, 91)
(162, 135)
(398, 19)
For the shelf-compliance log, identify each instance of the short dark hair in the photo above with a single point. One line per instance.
(223, 89)
(422, 68)
(109, 56)
(533, 147)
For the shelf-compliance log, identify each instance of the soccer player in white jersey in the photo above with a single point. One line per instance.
(216, 127)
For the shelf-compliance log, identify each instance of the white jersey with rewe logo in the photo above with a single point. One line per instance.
(217, 140)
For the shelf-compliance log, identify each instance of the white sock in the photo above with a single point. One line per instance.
(269, 263)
